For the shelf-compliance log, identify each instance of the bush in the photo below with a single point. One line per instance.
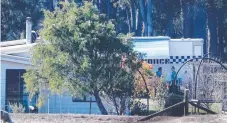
(161, 94)
(138, 108)
(17, 107)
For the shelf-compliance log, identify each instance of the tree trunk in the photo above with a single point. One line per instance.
(143, 14)
(200, 22)
(139, 24)
(212, 25)
(113, 12)
(220, 32)
(169, 28)
(181, 19)
(108, 8)
(102, 6)
(98, 4)
(123, 106)
(100, 104)
(160, 28)
(188, 20)
(122, 22)
(114, 100)
(149, 18)
(208, 38)
(133, 16)
(52, 5)
(128, 16)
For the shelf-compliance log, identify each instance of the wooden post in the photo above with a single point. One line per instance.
(186, 91)
(198, 108)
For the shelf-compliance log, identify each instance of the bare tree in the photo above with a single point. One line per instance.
(211, 83)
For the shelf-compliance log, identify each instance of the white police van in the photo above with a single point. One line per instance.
(162, 51)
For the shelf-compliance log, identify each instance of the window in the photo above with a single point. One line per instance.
(15, 88)
(83, 99)
(77, 99)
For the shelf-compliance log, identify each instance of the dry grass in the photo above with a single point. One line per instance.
(77, 118)
(71, 118)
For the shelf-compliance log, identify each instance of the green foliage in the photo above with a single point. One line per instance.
(80, 52)
(121, 3)
(162, 93)
(173, 18)
(138, 108)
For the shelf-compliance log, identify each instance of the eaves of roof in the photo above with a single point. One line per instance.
(15, 59)
(17, 48)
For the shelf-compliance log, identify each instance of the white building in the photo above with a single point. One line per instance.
(165, 52)
(15, 58)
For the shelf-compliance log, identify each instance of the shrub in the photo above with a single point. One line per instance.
(17, 107)
(161, 94)
(171, 100)
(138, 108)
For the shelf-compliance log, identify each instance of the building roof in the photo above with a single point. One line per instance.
(16, 51)
(150, 39)
(153, 47)
(15, 59)
(187, 40)
(12, 43)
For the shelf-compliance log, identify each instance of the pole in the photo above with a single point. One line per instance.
(60, 104)
(48, 103)
(90, 105)
(148, 104)
(195, 91)
(186, 91)
(194, 81)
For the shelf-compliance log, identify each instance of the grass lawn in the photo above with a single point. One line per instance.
(216, 107)
(154, 107)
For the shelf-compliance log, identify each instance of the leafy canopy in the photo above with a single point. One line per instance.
(80, 52)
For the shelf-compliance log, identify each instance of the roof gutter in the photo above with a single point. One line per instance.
(13, 43)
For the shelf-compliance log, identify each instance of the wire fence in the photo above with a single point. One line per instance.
(70, 110)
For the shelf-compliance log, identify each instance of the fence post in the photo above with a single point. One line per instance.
(198, 108)
(48, 105)
(90, 105)
(186, 91)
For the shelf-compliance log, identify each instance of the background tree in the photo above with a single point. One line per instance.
(81, 52)
(211, 83)
(13, 17)
(175, 18)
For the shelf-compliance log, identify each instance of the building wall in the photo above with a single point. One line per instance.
(64, 104)
(180, 51)
(58, 104)
(186, 47)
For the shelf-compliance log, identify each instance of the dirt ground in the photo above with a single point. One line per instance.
(77, 118)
